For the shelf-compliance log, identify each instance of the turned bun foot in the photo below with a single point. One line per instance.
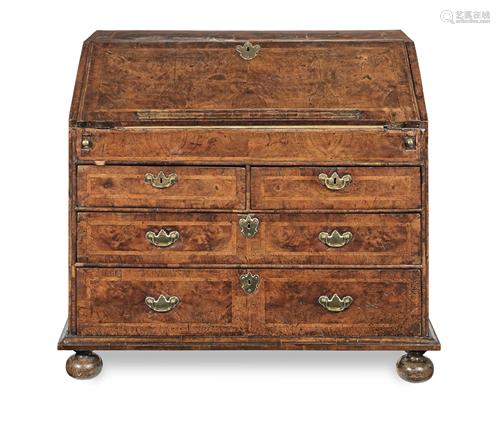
(84, 365)
(414, 367)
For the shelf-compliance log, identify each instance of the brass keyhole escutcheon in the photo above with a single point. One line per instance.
(249, 226)
(248, 51)
(249, 282)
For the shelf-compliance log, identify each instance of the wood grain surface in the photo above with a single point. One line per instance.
(248, 137)
(212, 302)
(370, 188)
(275, 146)
(378, 239)
(130, 82)
(114, 300)
(384, 302)
(125, 186)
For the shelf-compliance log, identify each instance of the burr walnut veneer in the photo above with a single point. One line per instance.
(248, 191)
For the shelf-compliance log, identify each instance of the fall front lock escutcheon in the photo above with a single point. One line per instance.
(248, 51)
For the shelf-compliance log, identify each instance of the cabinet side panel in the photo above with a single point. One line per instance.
(77, 93)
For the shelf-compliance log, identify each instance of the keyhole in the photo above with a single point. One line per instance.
(248, 225)
(334, 181)
(249, 282)
(161, 180)
(248, 48)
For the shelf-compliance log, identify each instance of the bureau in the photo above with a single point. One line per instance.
(248, 190)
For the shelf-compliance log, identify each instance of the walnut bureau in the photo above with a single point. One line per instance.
(248, 190)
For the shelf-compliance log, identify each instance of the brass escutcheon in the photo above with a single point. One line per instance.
(162, 304)
(335, 240)
(247, 51)
(249, 226)
(161, 181)
(335, 182)
(162, 239)
(335, 304)
(249, 282)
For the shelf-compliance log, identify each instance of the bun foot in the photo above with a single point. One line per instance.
(414, 367)
(84, 365)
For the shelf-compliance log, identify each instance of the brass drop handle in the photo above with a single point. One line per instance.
(162, 238)
(335, 304)
(335, 182)
(161, 181)
(162, 304)
(335, 240)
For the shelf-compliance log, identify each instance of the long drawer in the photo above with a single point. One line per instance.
(207, 238)
(172, 187)
(212, 302)
(292, 145)
(336, 188)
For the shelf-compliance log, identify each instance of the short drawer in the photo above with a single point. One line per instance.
(355, 302)
(336, 188)
(195, 301)
(206, 238)
(161, 187)
(337, 239)
(173, 238)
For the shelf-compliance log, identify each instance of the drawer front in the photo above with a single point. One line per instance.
(336, 188)
(161, 187)
(376, 239)
(250, 145)
(363, 239)
(121, 238)
(113, 302)
(383, 302)
(211, 302)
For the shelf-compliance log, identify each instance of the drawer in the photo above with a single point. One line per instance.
(161, 187)
(375, 239)
(197, 301)
(121, 238)
(360, 239)
(250, 145)
(382, 302)
(211, 302)
(336, 188)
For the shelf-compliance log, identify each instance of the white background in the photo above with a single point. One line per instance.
(40, 50)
